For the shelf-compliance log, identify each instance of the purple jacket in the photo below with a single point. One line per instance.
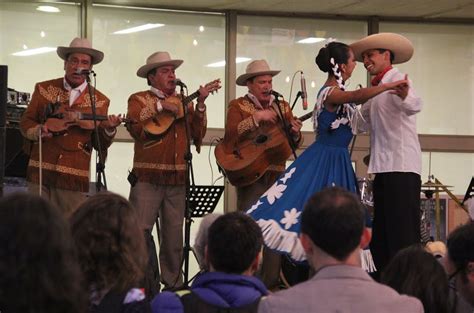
(216, 288)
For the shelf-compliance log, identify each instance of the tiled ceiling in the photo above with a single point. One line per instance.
(419, 9)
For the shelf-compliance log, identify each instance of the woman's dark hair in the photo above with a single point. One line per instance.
(38, 269)
(110, 242)
(337, 50)
(416, 272)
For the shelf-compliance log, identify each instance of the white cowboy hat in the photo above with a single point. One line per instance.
(255, 68)
(401, 47)
(155, 60)
(81, 45)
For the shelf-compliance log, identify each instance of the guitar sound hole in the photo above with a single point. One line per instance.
(261, 139)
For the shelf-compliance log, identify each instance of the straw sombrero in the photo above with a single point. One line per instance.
(255, 68)
(401, 47)
(81, 45)
(155, 60)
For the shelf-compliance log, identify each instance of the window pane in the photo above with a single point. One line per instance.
(198, 39)
(277, 40)
(441, 70)
(453, 169)
(24, 28)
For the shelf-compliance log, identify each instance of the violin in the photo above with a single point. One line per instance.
(59, 121)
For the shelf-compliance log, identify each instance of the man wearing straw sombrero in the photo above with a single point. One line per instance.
(395, 150)
(159, 165)
(60, 163)
(250, 114)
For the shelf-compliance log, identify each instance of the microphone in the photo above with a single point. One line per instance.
(180, 83)
(304, 94)
(83, 71)
(276, 94)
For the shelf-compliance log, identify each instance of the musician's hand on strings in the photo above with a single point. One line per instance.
(265, 116)
(170, 107)
(296, 125)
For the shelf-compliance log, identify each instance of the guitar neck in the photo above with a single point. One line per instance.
(191, 97)
(306, 116)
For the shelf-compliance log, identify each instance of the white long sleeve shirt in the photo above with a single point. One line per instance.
(394, 142)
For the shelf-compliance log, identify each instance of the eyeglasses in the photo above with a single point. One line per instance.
(75, 61)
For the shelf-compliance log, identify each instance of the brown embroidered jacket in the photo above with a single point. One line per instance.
(240, 124)
(160, 160)
(65, 158)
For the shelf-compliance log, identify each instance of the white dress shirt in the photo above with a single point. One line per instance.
(393, 141)
(74, 93)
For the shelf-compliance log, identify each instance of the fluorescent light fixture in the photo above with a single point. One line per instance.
(48, 8)
(222, 63)
(310, 40)
(35, 51)
(138, 28)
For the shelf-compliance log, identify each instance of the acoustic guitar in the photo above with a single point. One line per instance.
(159, 123)
(247, 162)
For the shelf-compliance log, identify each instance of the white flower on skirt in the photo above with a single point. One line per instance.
(291, 218)
(275, 192)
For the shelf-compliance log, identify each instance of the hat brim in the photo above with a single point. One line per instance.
(143, 71)
(401, 47)
(96, 55)
(242, 79)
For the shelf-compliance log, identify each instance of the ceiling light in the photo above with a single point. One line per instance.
(42, 34)
(222, 63)
(201, 28)
(310, 40)
(35, 51)
(195, 42)
(138, 28)
(48, 8)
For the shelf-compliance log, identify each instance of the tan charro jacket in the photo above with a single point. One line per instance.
(160, 160)
(240, 125)
(65, 157)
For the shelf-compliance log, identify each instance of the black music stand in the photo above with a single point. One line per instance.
(202, 200)
(469, 191)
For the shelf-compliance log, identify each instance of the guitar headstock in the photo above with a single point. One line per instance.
(213, 86)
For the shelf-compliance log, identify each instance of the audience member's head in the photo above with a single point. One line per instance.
(38, 268)
(200, 242)
(234, 244)
(461, 260)
(109, 242)
(332, 225)
(416, 272)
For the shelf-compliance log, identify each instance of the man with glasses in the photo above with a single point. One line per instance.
(60, 161)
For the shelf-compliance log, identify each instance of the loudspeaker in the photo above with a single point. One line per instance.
(16, 160)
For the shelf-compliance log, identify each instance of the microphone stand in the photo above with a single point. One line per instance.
(189, 180)
(291, 142)
(100, 164)
(298, 95)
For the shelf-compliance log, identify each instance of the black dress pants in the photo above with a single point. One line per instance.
(396, 215)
